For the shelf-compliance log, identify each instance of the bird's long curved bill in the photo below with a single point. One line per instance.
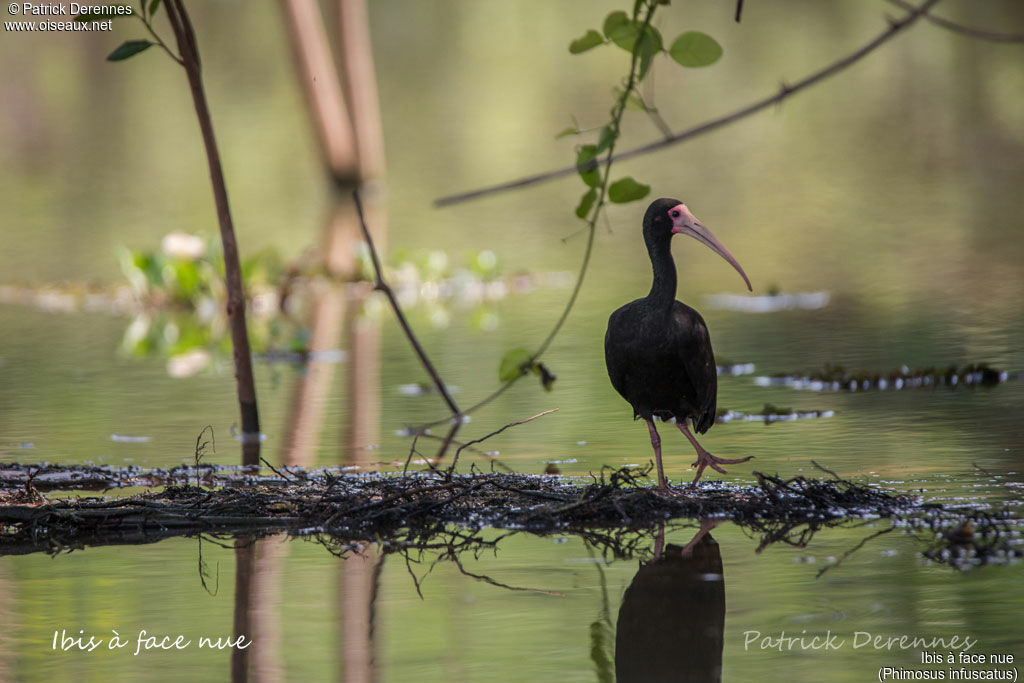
(695, 229)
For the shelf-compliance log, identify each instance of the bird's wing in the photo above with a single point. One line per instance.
(697, 359)
(616, 369)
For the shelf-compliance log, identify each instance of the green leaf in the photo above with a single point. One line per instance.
(514, 364)
(188, 281)
(614, 21)
(623, 31)
(151, 266)
(129, 48)
(590, 40)
(586, 202)
(649, 46)
(586, 166)
(633, 100)
(627, 190)
(608, 136)
(154, 5)
(694, 48)
(625, 36)
(574, 129)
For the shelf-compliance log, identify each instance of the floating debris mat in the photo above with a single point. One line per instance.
(611, 510)
(770, 414)
(377, 505)
(836, 378)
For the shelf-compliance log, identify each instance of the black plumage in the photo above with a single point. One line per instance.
(658, 350)
(671, 624)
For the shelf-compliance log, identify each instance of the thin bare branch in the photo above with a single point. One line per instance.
(495, 433)
(981, 34)
(412, 451)
(895, 27)
(386, 289)
(476, 406)
(188, 49)
(148, 23)
(286, 475)
(449, 439)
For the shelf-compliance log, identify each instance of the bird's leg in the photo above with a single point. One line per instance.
(706, 525)
(659, 542)
(656, 443)
(705, 459)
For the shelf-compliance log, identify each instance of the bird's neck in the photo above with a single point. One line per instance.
(663, 289)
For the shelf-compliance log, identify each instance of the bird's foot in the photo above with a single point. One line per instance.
(705, 459)
(664, 488)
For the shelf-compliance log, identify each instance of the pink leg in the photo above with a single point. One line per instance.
(659, 542)
(706, 525)
(705, 459)
(656, 443)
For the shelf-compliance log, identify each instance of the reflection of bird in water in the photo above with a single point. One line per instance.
(672, 619)
(657, 349)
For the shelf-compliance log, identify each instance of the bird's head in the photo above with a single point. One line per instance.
(666, 217)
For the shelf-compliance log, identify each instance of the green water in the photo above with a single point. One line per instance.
(893, 187)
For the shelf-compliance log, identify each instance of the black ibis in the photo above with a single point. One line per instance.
(671, 624)
(657, 349)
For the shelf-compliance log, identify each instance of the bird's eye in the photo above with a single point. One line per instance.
(674, 213)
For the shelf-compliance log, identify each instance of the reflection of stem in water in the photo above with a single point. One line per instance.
(602, 633)
(266, 661)
(11, 616)
(245, 567)
(363, 427)
(360, 578)
(332, 312)
(344, 102)
(204, 570)
(852, 550)
(312, 387)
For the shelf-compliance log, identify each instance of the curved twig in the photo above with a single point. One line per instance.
(383, 286)
(469, 444)
(981, 34)
(785, 91)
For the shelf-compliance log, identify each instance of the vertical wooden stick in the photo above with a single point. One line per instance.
(246, 385)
